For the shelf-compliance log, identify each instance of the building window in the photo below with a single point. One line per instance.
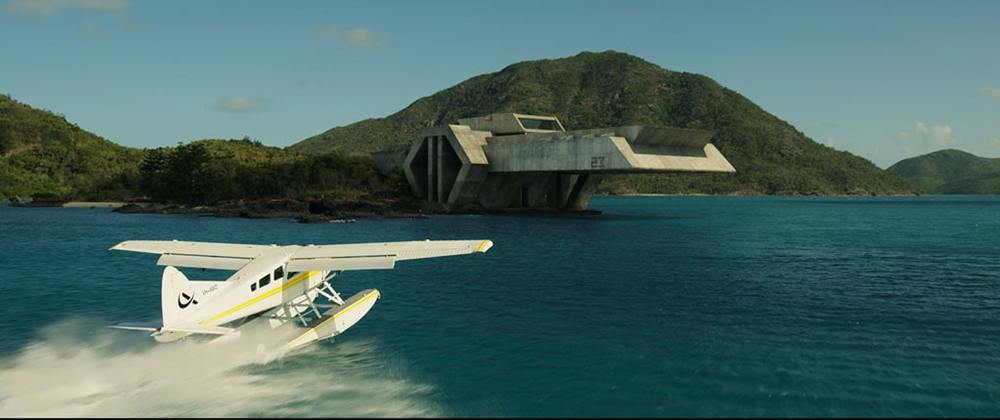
(533, 124)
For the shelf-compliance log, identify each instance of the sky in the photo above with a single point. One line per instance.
(885, 80)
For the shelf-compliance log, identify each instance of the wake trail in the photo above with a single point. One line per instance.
(78, 368)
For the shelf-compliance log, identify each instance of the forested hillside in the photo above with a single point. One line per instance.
(209, 171)
(43, 155)
(592, 90)
(951, 171)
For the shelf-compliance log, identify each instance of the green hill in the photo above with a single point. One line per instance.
(951, 171)
(43, 155)
(609, 89)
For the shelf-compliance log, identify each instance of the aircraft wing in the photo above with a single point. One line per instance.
(378, 255)
(409, 250)
(363, 256)
(204, 249)
(212, 255)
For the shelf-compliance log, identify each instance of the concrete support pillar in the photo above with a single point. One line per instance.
(583, 191)
(432, 175)
(553, 197)
(538, 189)
(560, 188)
(442, 197)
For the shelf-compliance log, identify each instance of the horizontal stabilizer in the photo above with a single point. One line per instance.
(173, 333)
(202, 329)
(137, 326)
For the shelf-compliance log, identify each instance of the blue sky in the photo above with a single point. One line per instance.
(882, 79)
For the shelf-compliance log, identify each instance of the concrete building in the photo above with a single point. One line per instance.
(510, 161)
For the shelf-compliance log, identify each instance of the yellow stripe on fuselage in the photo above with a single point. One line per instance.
(290, 283)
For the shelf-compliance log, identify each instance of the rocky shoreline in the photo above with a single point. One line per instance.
(327, 210)
(303, 211)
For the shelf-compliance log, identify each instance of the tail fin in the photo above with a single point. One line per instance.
(175, 296)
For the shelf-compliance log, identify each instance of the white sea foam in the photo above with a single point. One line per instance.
(79, 368)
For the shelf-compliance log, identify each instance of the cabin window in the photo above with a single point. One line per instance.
(264, 281)
(253, 287)
(279, 273)
(292, 274)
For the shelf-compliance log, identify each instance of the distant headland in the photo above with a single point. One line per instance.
(951, 171)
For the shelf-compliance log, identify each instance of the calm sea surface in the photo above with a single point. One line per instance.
(662, 306)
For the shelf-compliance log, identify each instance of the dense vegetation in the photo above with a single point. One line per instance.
(951, 171)
(43, 155)
(607, 89)
(209, 171)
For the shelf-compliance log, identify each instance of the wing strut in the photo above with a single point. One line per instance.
(332, 294)
(301, 306)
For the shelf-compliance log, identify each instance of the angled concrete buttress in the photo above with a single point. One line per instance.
(507, 161)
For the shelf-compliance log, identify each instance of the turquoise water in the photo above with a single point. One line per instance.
(663, 306)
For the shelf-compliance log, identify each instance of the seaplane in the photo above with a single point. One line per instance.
(272, 286)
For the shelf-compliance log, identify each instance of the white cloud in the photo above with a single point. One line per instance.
(990, 91)
(240, 104)
(49, 7)
(925, 138)
(941, 135)
(357, 37)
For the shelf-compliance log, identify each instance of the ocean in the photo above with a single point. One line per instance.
(661, 306)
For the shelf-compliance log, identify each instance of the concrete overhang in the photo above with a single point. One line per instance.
(609, 150)
(512, 160)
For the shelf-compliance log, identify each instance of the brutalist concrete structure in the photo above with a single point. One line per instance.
(517, 161)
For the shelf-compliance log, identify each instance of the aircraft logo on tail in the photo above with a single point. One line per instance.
(183, 300)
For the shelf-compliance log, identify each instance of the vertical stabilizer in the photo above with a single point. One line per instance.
(175, 296)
